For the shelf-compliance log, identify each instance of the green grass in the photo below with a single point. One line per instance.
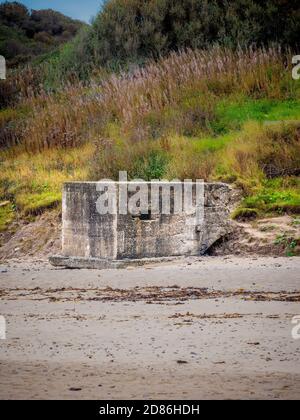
(232, 114)
(7, 216)
(243, 214)
(34, 204)
(276, 196)
(212, 144)
(33, 183)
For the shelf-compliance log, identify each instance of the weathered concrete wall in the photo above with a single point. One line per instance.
(85, 232)
(88, 234)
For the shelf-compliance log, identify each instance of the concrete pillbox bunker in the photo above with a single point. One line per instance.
(94, 240)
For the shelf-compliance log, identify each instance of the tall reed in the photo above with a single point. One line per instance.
(78, 113)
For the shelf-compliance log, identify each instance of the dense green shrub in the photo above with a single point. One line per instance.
(134, 29)
(25, 34)
(130, 31)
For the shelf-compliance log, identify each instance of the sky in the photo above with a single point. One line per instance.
(77, 9)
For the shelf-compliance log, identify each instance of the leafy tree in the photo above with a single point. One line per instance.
(13, 14)
(25, 34)
(132, 30)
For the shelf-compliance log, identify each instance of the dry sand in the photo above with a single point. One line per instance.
(199, 328)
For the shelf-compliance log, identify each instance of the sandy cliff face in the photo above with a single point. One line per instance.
(37, 239)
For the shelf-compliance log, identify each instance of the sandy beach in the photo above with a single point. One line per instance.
(198, 328)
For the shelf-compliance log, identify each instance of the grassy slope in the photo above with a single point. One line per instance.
(34, 185)
(215, 136)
